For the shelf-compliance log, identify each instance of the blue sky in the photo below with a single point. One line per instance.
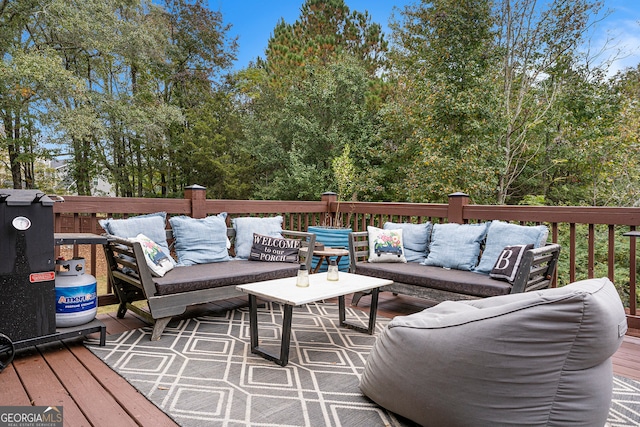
(253, 22)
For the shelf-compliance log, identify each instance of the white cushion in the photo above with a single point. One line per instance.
(385, 245)
(159, 263)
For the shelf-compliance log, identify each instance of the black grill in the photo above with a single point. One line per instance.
(27, 277)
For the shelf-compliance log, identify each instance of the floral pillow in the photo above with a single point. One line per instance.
(385, 245)
(159, 263)
(415, 239)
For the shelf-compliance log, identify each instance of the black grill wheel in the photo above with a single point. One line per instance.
(7, 351)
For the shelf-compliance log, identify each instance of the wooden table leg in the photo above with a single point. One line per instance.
(319, 264)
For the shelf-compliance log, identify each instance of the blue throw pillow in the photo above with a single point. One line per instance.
(501, 234)
(200, 241)
(415, 239)
(246, 226)
(151, 225)
(456, 245)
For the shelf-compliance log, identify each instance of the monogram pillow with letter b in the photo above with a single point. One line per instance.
(506, 267)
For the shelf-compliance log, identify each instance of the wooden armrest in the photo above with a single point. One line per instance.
(308, 240)
(358, 248)
(537, 269)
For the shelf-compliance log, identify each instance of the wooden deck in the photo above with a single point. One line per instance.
(69, 375)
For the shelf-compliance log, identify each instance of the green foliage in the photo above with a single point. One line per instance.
(626, 181)
(491, 98)
(325, 31)
(480, 87)
(446, 91)
(294, 143)
(207, 155)
(620, 272)
(115, 82)
(316, 93)
(345, 173)
(30, 77)
(533, 200)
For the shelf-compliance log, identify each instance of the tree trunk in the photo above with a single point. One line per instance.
(12, 129)
(81, 168)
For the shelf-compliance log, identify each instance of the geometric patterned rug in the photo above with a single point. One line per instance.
(625, 406)
(202, 373)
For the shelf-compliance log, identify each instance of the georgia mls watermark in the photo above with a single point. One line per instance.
(30, 416)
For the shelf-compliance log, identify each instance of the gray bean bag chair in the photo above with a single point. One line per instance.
(537, 359)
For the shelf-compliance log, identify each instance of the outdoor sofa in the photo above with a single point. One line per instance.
(212, 259)
(455, 261)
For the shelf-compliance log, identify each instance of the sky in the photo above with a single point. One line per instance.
(253, 22)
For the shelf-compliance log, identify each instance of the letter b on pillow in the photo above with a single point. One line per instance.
(503, 260)
(506, 266)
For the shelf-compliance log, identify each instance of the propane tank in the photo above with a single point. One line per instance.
(76, 293)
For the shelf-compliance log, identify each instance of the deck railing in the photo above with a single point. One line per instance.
(592, 238)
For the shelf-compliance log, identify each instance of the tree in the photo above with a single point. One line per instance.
(317, 90)
(112, 83)
(325, 31)
(208, 154)
(479, 78)
(536, 45)
(30, 76)
(104, 43)
(190, 78)
(578, 148)
(444, 62)
(295, 145)
(626, 181)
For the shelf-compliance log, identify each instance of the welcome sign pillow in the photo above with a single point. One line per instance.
(274, 249)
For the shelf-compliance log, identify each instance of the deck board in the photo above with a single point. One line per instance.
(136, 405)
(41, 383)
(85, 390)
(12, 393)
(92, 394)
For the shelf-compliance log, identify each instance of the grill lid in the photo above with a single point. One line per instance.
(24, 197)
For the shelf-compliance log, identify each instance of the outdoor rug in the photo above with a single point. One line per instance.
(202, 372)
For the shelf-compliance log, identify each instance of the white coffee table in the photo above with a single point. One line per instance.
(287, 293)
